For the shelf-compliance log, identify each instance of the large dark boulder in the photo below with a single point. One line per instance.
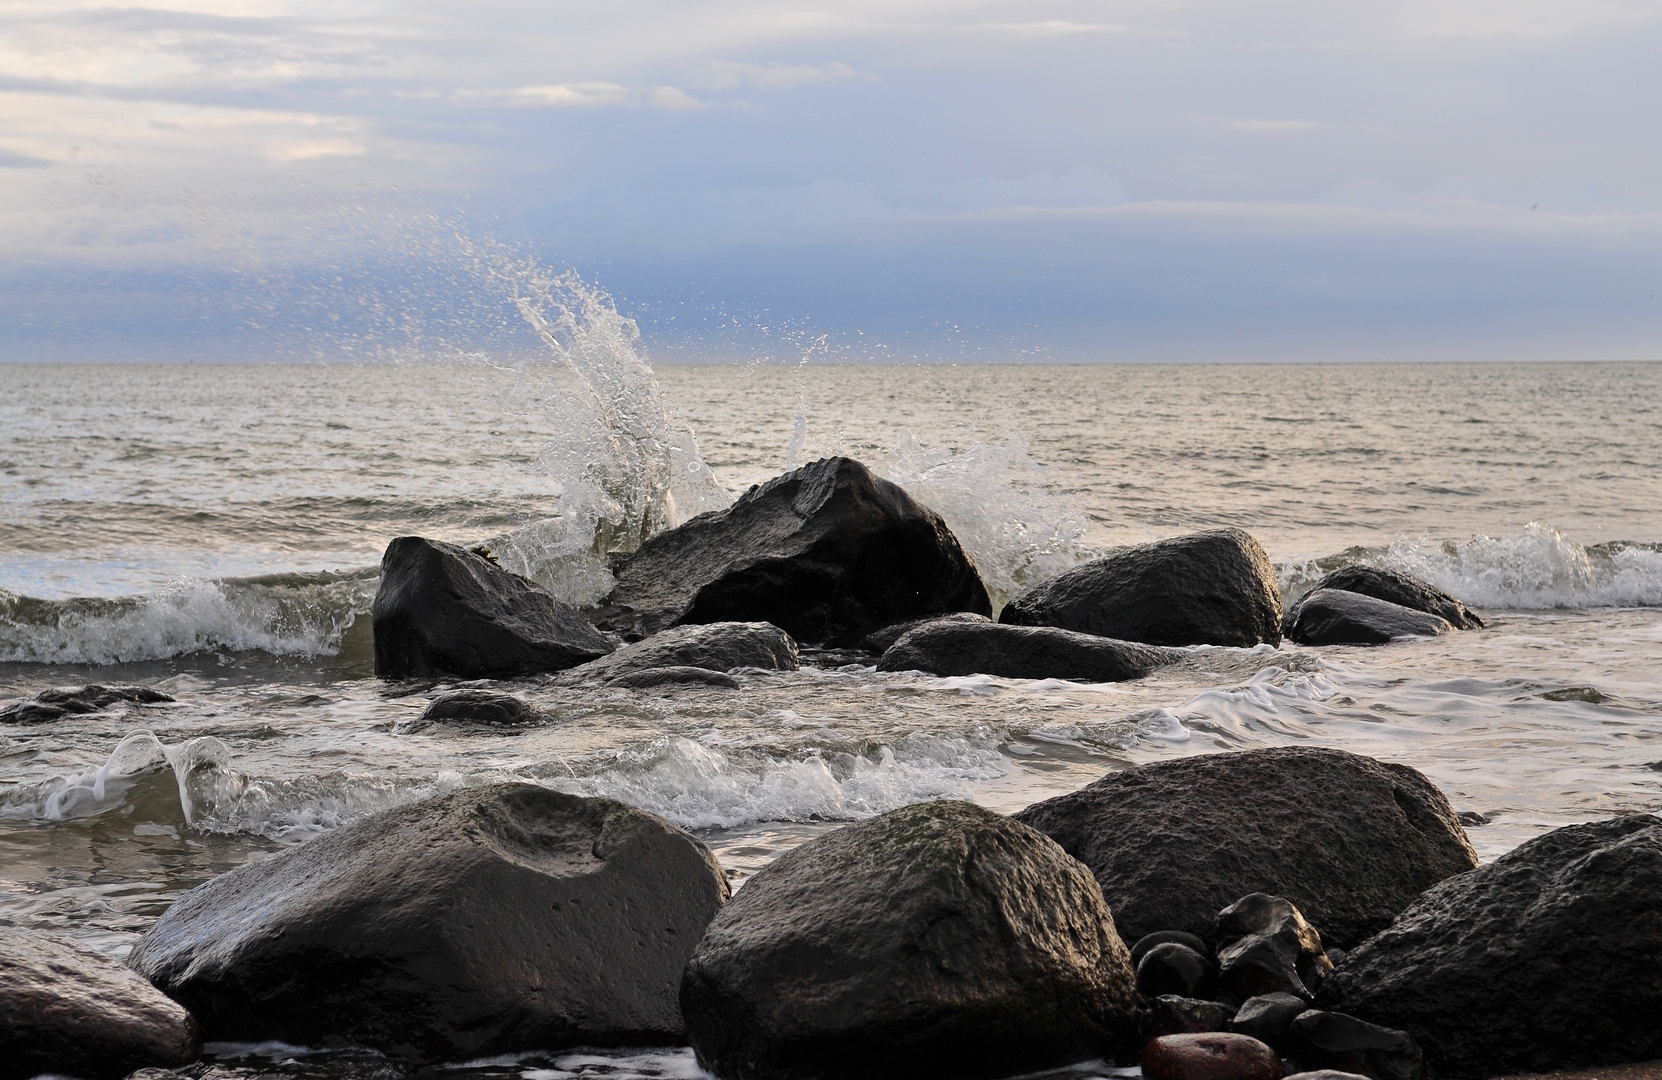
(54, 704)
(1350, 840)
(1395, 588)
(878, 641)
(1211, 588)
(442, 609)
(1548, 958)
(1336, 617)
(484, 921)
(828, 552)
(68, 1010)
(1020, 652)
(716, 647)
(936, 940)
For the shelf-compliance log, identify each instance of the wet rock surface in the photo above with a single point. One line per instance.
(1336, 617)
(69, 1010)
(1020, 652)
(1174, 968)
(828, 552)
(55, 704)
(878, 641)
(1265, 946)
(483, 707)
(939, 939)
(1170, 1014)
(1544, 959)
(1160, 937)
(1210, 588)
(442, 609)
(714, 647)
(484, 921)
(1403, 589)
(1269, 1019)
(1351, 841)
(671, 677)
(1212, 1056)
(1330, 1040)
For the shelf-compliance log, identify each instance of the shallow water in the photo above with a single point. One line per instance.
(220, 527)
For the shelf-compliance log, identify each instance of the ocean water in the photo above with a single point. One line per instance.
(213, 531)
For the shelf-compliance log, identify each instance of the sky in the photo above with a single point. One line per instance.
(912, 179)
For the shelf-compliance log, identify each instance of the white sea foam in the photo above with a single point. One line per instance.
(701, 786)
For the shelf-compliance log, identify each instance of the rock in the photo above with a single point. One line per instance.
(939, 939)
(1170, 1014)
(1269, 1019)
(1395, 588)
(68, 1010)
(1349, 840)
(1330, 1040)
(653, 678)
(1325, 1074)
(444, 609)
(1544, 959)
(717, 647)
(878, 641)
(1173, 968)
(482, 707)
(1265, 946)
(828, 552)
(1160, 937)
(1020, 652)
(1213, 1056)
(1335, 617)
(484, 921)
(1211, 588)
(49, 705)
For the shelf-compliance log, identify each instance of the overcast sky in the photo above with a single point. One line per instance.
(1047, 180)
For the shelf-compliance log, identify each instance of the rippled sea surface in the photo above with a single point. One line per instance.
(213, 532)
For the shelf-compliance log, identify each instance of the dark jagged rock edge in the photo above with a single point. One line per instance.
(1337, 617)
(698, 653)
(1403, 590)
(965, 647)
(57, 703)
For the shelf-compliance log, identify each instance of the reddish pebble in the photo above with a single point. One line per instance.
(1215, 1055)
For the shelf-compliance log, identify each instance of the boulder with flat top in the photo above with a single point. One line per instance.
(829, 552)
(1020, 652)
(1210, 588)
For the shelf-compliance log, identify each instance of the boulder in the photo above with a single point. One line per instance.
(1409, 592)
(1020, 652)
(1547, 958)
(1169, 1014)
(1330, 1040)
(482, 707)
(715, 647)
(1161, 937)
(484, 921)
(1269, 1019)
(940, 939)
(49, 705)
(444, 609)
(1336, 617)
(655, 678)
(1350, 840)
(829, 552)
(1213, 1056)
(1338, 1074)
(1174, 968)
(1211, 588)
(68, 1010)
(1265, 946)
(878, 641)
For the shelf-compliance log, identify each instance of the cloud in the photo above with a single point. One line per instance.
(729, 74)
(11, 159)
(1273, 127)
(673, 99)
(578, 95)
(1051, 28)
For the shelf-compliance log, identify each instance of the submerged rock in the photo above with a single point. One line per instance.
(484, 921)
(68, 1010)
(936, 940)
(444, 609)
(1402, 589)
(482, 707)
(1544, 959)
(1212, 1056)
(878, 641)
(1211, 588)
(1265, 946)
(654, 678)
(829, 552)
(1020, 652)
(1336, 617)
(714, 647)
(49, 705)
(1350, 840)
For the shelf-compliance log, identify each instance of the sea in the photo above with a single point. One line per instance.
(214, 532)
